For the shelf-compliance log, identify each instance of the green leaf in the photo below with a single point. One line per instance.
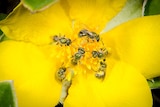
(152, 7)
(36, 5)
(7, 94)
(131, 10)
(2, 16)
(3, 37)
(154, 83)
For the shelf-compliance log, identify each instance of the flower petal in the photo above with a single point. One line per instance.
(123, 87)
(137, 43)
(93, 13)
(32, 73)
(36, 27)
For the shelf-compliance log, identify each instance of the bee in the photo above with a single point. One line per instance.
(103, 65)
(100, 74)
(95, 54)
(62, 40)
(81, 50)
(61, 73)
(91, 35)
(55, 38)
(83, 32)
(77, 56)
(100, 53)
(102, 70)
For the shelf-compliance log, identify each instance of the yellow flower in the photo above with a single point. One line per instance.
(59, 51)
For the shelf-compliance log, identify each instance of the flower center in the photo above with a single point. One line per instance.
(86, 53)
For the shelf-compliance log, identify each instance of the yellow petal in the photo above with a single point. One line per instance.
(93, 13)
(35, 85)
(137, 43)
(36, 27)
(32, 73)
(123, 87)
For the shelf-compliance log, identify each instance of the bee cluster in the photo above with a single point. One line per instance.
(100, 73)
(84, 50)
(100, 54)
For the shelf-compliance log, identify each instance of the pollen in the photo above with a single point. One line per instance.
(84, 53)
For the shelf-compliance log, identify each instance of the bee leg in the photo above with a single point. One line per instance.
(57, 43)
(87, 39)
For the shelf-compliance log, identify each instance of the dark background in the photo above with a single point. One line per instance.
(156, 97)
(6, 6)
